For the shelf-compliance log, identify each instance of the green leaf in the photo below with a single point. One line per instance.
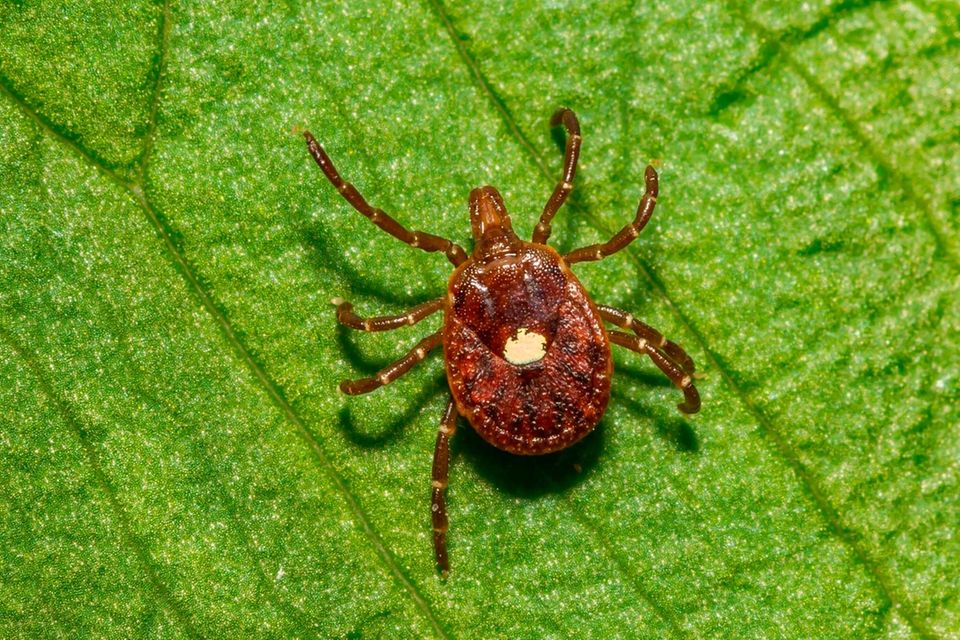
(177, 462)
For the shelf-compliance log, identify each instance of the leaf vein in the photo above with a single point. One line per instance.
(241, 529)
(89, 157)
(626, 569)
(946, 244)
(159, 68)
(194, 284)
(891, 590)
(130, 539)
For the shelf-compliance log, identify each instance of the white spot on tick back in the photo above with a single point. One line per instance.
(525, 347)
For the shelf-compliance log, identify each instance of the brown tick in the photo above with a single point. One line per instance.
(527, 355)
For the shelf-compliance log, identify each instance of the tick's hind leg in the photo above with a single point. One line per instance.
(672, 370)
(419, 239)
(347, 317)
(625, 320)
(441, 467)
(569, 121)
(395, 370)
(626, 235)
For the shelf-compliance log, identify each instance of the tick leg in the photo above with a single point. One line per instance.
(438, 504)
(569, 121)
(395, 370)
(672, 370)
(347, 317)
(626, 321)
(419, 239)
(626, 235)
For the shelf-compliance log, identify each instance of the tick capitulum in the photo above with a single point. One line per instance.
(526, 351)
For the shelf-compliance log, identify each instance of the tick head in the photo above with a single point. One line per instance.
(492, 231)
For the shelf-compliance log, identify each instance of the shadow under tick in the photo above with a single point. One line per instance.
(379, 433)
(529, 476)
(675, 430)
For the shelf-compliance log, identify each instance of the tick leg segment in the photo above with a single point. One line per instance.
(626, 235)
(438, 504)
(626, 321)
(419, 239)
(672, 370)
(347, 317)
(569, 120)
(395, 370)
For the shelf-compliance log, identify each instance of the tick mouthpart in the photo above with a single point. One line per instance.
(487, 212)
(492, 229)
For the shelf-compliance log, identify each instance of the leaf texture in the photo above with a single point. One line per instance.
(177, 462)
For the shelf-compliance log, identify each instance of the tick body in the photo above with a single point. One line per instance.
(526, 350)
(527, 357)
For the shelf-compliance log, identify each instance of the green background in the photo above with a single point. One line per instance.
(176, 461)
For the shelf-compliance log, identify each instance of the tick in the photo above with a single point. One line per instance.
(526, 351)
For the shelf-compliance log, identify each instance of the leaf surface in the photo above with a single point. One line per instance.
(177, 462)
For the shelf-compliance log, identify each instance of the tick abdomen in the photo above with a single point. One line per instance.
(527, 356)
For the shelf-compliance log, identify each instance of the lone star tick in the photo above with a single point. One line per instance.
(526, 352)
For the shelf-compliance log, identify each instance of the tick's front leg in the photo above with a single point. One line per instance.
(418, 239)
(569, 121)
(629, 233)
